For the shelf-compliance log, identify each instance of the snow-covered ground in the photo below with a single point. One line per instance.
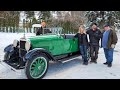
(69, 70)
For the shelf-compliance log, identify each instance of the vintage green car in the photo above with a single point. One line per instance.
(34, 53)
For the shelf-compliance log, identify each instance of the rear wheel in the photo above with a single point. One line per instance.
(37, 67)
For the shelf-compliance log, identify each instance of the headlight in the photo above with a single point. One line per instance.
(27, 45)
(15, 43)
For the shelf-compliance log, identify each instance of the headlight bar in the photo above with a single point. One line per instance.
(27, 45)
(15, 43)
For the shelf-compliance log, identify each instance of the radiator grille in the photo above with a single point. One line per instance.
(22, 48)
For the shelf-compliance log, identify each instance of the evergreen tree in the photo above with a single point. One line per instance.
(44, 15)
(102, 17)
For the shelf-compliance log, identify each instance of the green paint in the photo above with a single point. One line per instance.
(55, 44)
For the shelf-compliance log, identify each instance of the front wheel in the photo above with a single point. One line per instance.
(37, 67)
(7, 56)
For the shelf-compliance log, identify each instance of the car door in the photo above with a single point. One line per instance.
(57, 46)
(70, 45)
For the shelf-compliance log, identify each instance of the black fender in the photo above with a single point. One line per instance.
(9, 49)
(37, 51)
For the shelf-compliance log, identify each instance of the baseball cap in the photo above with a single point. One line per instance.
(106, 25)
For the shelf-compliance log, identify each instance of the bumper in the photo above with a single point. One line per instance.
(8, 67)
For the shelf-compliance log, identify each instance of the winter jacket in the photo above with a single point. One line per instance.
(94, 36)
(112, 38)
(39, 31)
(84, 41)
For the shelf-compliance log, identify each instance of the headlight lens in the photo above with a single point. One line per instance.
(15, 43)
(27, 45)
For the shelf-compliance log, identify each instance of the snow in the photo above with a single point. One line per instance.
(69, 70)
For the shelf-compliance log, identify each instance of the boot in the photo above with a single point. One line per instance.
(109, 64)
(105, 63)
(95, 61)
(85, 63)
(92, 60)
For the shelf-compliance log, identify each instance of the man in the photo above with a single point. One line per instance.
(94, 36)
(40, 30)
(109, 41)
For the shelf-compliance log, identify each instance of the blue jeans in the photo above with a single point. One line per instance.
(109, 54)
(83, 51)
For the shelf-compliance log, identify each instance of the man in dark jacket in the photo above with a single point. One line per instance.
(39, 31)
(109, 41)
(42, 29)
(94, 36)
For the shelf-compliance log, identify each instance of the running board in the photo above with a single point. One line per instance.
(69, 59)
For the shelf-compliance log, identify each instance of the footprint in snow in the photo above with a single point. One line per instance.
(112, 74)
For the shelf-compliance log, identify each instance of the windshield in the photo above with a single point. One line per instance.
(53, 30)
(56, 30)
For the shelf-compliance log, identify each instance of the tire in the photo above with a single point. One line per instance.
(39, 65)
(6, 56)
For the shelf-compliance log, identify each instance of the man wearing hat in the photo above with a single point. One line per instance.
(94, 36)
(109, 41)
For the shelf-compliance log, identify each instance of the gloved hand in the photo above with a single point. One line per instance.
(113, 46)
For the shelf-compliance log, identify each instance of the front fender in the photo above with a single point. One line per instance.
(9, 48)
(36, 51)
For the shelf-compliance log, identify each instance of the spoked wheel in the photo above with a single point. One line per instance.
(37, 67)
